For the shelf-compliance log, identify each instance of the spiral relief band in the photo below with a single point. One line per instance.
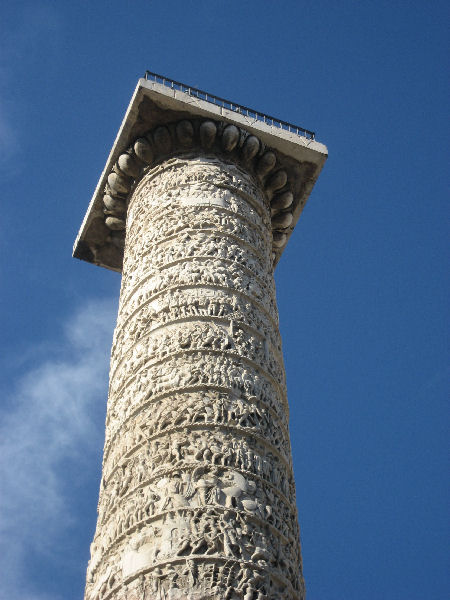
(197, 498)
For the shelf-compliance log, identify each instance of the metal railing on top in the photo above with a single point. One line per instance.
(242, 110)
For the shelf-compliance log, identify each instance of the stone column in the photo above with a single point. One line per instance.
(197, 499)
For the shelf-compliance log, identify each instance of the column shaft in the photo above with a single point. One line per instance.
(197, 499)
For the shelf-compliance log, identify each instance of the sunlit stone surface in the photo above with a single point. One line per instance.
(197, 499)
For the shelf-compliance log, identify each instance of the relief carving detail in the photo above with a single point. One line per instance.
(197, 499)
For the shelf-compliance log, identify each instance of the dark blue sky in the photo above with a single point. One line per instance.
(361, 287)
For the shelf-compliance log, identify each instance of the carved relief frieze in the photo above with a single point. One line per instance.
(192, 303)
(195, 370)
(203, 220)
(236, 424)
(188, 337)
(197, 498)
(212, 267)
(196, 244)
(200, 182)
(199, 272)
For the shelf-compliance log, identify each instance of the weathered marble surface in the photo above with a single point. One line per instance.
(197, 499)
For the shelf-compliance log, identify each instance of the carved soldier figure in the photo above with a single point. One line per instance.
(206, 487)
(191, 572)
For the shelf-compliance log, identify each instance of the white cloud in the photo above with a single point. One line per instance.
(53, 418)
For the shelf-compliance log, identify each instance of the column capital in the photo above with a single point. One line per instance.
(162, 122)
